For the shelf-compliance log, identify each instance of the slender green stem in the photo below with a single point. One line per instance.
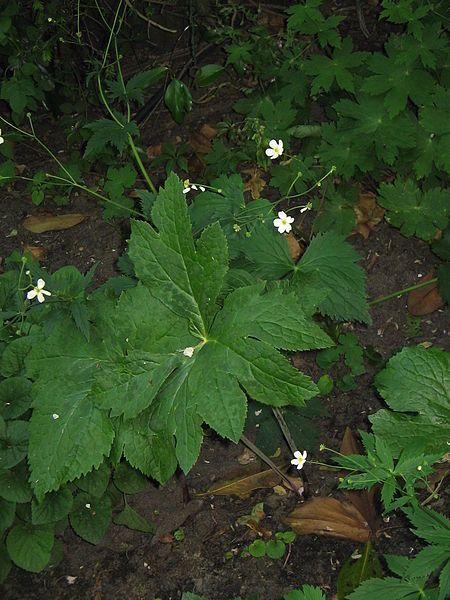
(106, 103)
(403, 291)
(141, 164)
(271, 464)
(97, 195)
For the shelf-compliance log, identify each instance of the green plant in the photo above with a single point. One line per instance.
(275, 548)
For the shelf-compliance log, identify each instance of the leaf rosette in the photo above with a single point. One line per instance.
(134, 389)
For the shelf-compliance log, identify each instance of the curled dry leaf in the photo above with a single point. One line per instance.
(328, 516)
(154, 151)
(368, 214)
(425, 300)
(255, 184)
(200, 141)
(296, 250)
(41, 223)
(37, 252)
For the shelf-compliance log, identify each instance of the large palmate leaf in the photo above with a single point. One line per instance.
(165, 358)
(415, 380)
(332, 263)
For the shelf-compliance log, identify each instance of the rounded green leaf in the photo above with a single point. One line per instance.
(325, 385)
(14, 485)
(7, 513)
(178, 100)
(54, 506)
(207, 74)
(13, 444)
(90, 517)
(30, 546)
(133, 520)
(275, 549)
(129, 480)
(96, 481)
(257, 548)
(15, 397)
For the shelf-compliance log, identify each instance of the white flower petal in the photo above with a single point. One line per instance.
(40, 283)
(32, 294)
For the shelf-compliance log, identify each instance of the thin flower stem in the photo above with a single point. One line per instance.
(96, 194)
(106, 103)
(47, 149)
(403, 291)
(270, 463)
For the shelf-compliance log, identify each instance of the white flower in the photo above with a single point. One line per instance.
(283, 223)
(275, 149)
(88, 505)
(306, 207)
(55, 416)
(300, 459)
(188, 186)
(189, 351)
(1, 139)
(38, 291)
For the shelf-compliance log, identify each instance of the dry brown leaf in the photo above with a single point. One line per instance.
(255, 184)
(328, 516)
(368, 214)
(246, 457)
(37, 252)
(425, 300)
(362, 500)
(243, 486)
(209, 131)
(41, 223)
(200, 143)
(154, 151)
(295, 249)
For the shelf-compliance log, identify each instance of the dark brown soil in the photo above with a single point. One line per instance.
(139, 566)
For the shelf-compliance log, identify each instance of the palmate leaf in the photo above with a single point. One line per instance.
(416, 83)
(330, 262)
(108, 132)
(369, 119)
(415, 212)
(337, 69)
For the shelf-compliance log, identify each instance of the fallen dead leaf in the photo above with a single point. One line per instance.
(154, 151)
(328, 516)
(209, 131)
(200, 143)
(255, 184)
(368, 214)
(37, 252)
(41, 223)
(243, 486)
(425, 300)
(294, 247)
